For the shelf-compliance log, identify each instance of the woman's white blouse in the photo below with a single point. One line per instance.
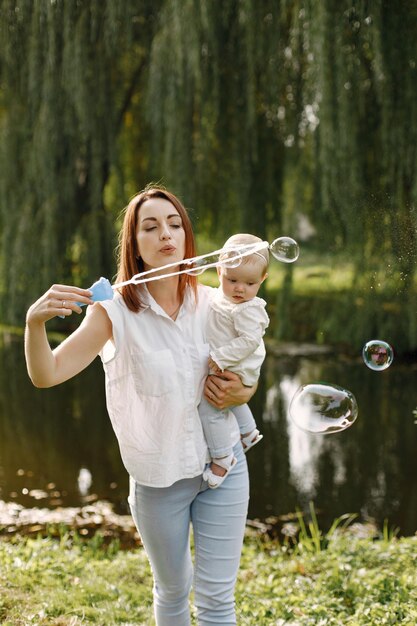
(155, 371)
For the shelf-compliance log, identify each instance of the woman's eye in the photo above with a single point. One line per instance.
(176, 225)
(150, 228)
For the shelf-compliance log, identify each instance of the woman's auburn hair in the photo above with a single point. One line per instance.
(129, 263)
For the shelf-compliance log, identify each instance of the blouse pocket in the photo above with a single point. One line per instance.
(154, 374)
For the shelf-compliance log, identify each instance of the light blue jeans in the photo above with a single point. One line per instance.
(163, 517)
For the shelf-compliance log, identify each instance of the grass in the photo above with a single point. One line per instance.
(322, 273)
(334, 579)
(312, 274)
(43, 581)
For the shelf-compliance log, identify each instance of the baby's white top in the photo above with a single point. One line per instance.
(234, 332)
(155, 372)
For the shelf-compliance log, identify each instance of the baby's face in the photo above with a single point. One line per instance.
(240, 284)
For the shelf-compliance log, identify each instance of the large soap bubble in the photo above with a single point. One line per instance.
(377, 354)
(323, 408)
(285, 249)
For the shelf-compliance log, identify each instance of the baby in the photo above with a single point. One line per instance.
(236, 324)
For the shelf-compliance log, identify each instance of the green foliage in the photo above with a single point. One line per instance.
(317, 300)
(65, 88)
(50, 582)
(353, 581)
(256, 113)
(311, 538)
(220, 85)
(389, 533)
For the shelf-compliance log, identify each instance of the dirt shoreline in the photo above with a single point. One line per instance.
(86, 521)
(99, 517)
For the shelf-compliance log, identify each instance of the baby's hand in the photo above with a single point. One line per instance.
(214, 368)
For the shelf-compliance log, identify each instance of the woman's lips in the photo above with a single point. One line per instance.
(167, 249)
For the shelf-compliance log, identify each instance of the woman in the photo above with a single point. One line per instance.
(151, 340)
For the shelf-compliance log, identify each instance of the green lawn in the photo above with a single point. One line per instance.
(351, 581)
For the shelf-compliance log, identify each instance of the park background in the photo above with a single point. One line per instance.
(286, 117)
(276, 118)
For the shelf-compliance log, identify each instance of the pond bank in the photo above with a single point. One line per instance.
(86, 521)
(99, 517)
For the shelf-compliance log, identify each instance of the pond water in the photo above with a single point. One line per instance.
(57, 447)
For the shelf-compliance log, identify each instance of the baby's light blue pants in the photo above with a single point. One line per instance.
(218, 429)
(163, 517)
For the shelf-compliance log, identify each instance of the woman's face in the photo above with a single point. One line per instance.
(160, 234)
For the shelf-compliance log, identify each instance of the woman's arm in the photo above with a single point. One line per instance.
(227, 390)
(47, 367)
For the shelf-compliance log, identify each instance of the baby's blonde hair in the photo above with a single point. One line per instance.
(259, 256)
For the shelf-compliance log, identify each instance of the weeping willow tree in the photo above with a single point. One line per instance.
(252, 110)
(365, 80)
(68, 72)
(222, 72)
(270, 108)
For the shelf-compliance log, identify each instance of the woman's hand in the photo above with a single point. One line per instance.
(47, 367)
(227, 390)
(58, 300)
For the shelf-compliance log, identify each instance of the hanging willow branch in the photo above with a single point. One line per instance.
(68, 73)
(217, 93)
(254, 111)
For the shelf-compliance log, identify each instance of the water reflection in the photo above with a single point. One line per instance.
(57, 445)
(47, 436)
(369, 469)
(85, 480)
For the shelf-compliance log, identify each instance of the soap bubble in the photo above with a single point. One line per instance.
(323, 408)
(285, 249)
(229, 258)
(377, 354)
(196, 267)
